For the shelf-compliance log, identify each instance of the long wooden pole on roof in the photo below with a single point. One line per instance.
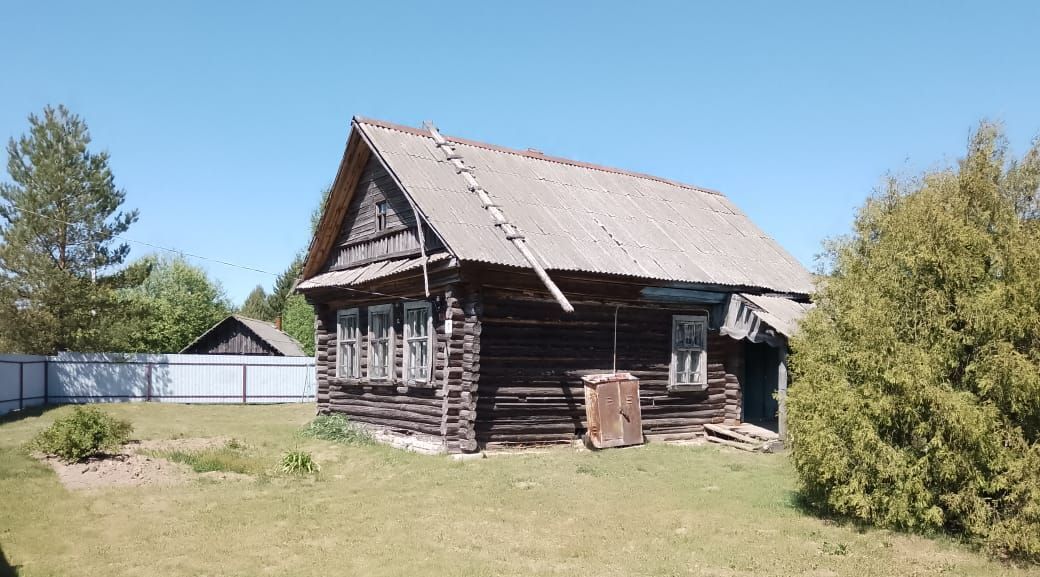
(512, 234)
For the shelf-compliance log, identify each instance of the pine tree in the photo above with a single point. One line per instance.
(59, 260)
(256, 306)
(283, 286)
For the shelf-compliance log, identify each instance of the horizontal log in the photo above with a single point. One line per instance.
(409, 407)
(428, 401)
(393, 414)
(402, 425)
(520, 438)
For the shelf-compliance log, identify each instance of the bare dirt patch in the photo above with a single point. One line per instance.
(121, 470)
(130, 468)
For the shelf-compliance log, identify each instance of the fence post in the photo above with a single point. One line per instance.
(148, 373)
(244, 384)
(21, 386)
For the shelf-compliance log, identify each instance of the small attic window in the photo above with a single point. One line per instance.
(382, 212)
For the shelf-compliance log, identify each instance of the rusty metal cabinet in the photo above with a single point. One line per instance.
(612, 409)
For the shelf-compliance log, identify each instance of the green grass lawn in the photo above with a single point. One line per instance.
(654, 510)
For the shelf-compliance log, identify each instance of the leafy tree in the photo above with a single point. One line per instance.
(916, 397)
(59, 260)
(298, 321)
(256, 305)
(175, 304)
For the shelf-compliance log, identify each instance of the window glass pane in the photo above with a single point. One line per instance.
(422, 368)
(379, 325)
(689, 335)
(378, 367)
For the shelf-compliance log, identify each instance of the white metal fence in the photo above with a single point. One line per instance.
(27, 380)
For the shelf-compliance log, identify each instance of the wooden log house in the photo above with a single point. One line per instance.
(239, 335)
(462, 290)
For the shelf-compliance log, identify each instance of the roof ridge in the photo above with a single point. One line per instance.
(534, 155)
(240, 317)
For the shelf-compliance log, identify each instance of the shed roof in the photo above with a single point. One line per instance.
(265, 331)
(368, 272)
(582, 217)
(762, 319)
(780, 313)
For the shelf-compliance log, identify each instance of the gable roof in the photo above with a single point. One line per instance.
(578, 216)
(264, 331)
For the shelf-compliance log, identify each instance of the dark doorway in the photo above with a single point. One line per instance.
(760, 383)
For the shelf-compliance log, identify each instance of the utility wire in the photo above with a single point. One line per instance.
(199, 256)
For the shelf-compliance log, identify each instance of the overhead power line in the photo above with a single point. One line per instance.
(198, 256)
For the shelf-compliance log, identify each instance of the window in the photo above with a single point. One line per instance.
(382, 212)
(689, 358)
(347, 362)
(380, 342)
(417, 337)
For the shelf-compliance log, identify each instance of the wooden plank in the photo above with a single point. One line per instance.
(734, 444)
(727, 432)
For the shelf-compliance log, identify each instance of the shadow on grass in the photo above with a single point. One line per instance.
(6, 569)
(26, 413)
(802, 503)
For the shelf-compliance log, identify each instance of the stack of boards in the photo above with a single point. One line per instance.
(744, 436)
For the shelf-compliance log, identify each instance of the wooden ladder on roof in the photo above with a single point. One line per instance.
(512, 233)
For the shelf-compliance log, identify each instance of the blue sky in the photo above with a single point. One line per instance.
(226, 119)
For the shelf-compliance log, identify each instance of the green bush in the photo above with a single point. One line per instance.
(915, 402)
(88, 431)
(298, 462)
(338, 429)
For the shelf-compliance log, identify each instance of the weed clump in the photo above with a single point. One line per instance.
(338, 429)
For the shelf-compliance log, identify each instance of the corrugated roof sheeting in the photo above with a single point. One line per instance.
(579, 218)
(369, 272)
(274, 337)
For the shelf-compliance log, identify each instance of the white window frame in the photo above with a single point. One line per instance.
(408, 337)
(353, 371)
(699, 382)
(391, 342)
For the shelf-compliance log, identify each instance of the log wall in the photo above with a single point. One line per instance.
(440, 411)
(533, 357)
(508, 362)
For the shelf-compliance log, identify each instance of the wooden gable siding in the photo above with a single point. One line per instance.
(232, 338)
(359, 242)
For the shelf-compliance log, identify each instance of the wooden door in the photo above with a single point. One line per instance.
(611, 432)
(629, 414)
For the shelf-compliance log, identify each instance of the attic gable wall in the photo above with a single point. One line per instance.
(358, 241)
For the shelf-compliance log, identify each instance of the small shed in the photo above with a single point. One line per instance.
(239, 335)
